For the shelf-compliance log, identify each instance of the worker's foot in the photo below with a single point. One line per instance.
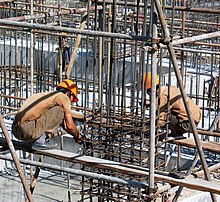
(43, 146)
(41, 139)
(177, 136)
(51, 134)
(162, 137)
(171, 136)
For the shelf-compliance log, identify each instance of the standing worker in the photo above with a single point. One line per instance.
(63, 55)
(43, 113)
(172, 108)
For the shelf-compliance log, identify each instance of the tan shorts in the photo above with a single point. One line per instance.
(32, 130)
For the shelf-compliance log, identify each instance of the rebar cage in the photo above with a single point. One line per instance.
(112, 44)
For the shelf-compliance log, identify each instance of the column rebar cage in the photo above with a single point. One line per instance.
(115, 48)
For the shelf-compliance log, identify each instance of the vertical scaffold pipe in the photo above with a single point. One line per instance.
(182, 90)
(16, 160)
(153, 101)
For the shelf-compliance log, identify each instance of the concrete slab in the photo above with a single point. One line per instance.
(50, 187)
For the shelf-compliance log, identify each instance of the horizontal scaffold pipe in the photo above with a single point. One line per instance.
(73, 30)
(209, 133)
(192, 39)
(6, 1)
(188, 182)
(79, 172)
(176, 8)
(196, 38)
(51, 14)
(193, 50)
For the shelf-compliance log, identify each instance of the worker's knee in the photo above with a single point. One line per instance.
(26, 132)
(186, 126)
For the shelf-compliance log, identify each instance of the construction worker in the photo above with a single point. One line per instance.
(177, 117)
(64, 54)
(43, 113)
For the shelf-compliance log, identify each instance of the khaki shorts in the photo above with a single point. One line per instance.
(32, 130)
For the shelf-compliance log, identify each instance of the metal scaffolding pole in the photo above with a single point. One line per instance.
(16, 160)
(183, 93)
(153, 101)
(109, 77)
(195, 38)
(79, 172)
(178, 192)
(73, 30)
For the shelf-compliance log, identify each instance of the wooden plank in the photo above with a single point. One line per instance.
(6, 1)
(208, 146)
(188, 182)
(209, 133)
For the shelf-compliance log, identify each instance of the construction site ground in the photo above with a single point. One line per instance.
(113, 45)
(54, 186)
(50, 187)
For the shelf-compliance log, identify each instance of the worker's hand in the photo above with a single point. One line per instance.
(147, 104)
(79, 138)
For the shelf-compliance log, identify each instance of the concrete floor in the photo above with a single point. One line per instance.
(50, 187)
(53, 187)
(58, 187)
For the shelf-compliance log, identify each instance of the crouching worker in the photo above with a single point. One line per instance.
(170, 100)
(43, 113)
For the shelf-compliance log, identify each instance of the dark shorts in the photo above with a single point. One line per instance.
(32, 130)
(179, 126)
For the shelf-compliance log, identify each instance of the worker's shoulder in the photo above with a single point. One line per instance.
(54, 95)
(66, 48)
(45, 94)
(171, 90)
(62, 97)
(167, 88)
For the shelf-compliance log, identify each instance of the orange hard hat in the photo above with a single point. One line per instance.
(64, 34)
(147, 80)
(71, 86)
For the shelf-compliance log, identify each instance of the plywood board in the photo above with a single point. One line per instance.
(208, 146)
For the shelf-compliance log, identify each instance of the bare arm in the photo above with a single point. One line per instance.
(70, 127)
(77, 115)
(162, 118)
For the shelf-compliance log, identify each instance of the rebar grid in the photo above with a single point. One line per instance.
(109, 70)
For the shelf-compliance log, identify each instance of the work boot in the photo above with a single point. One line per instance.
(43, 146)
(177, 136)
(43, 143)
(41, 139)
